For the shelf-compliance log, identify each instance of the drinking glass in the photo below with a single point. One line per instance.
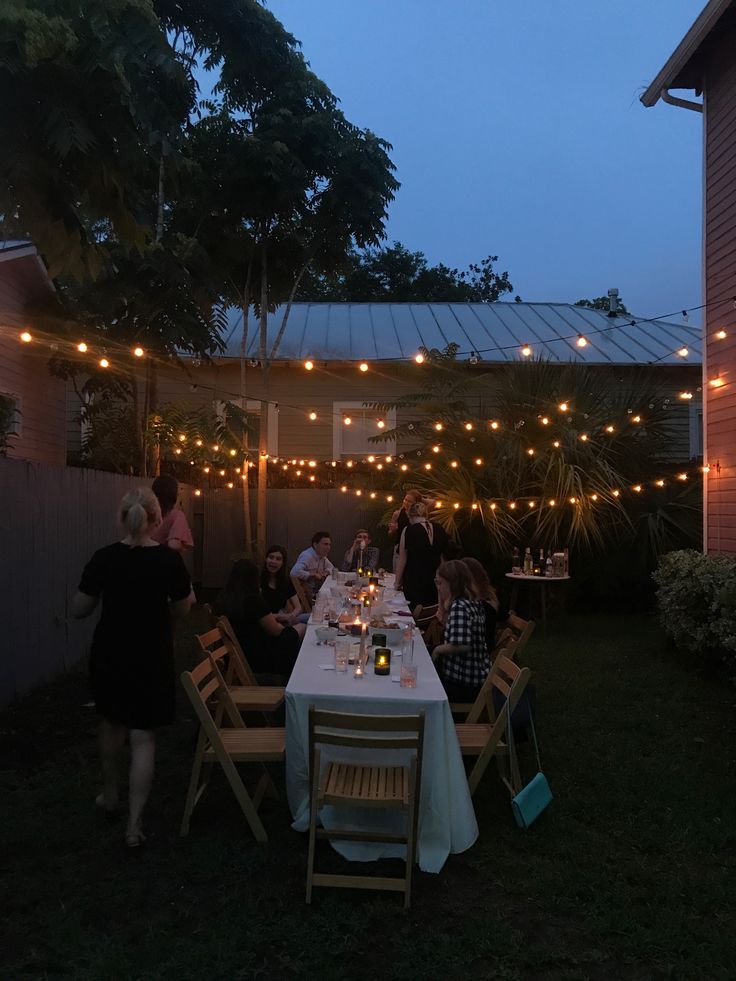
(342, 653)
(408, 676)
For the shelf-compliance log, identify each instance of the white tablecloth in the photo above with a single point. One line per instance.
(446, 816)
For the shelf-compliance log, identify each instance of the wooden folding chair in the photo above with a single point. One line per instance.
(424, 615)
(511, 640)
(302, 593)
(363, 785)
(204, 685)
(433, 634)
(247, 695)
(485, 740)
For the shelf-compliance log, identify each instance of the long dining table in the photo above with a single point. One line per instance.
(447, 821)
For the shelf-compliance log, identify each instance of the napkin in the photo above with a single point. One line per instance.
(327, 667)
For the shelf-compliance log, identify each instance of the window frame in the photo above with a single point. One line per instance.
(340, 410)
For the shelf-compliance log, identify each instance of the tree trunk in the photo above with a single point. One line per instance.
(289, 304)
(247, 518)
(263, 428)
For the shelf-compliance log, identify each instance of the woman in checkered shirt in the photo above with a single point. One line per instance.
(462, 660)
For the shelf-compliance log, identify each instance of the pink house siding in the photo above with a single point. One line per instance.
(720, 291)
(23, 368)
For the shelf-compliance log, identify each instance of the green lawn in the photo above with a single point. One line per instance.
(628, 874)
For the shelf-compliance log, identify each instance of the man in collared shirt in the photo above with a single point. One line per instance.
(313, 566)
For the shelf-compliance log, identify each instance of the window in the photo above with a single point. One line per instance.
(353, 439)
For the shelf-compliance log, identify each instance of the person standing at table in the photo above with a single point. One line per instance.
(361, 554)
(313, 566)
(420, 552)
(174, 528)
(140, 583)
(277, 588)
(400, 520)
(462, 659)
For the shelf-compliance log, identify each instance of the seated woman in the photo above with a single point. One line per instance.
(277, 588)
(270, 646)
(481, 589)
(462, 659)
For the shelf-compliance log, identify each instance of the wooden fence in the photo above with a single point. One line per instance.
(52, 519)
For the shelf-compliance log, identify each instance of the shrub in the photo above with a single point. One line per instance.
(696, 598)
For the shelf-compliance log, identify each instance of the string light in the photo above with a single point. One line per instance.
(637, 488)
(683, 352)
(685, 395)
(222, 473)
(104, 363)
(347, 420)
(381, 424)
(609, 429)
(206, 469)
(82, 347)
(349, 463)
(468, 426)
(552, 502)
(581, 341)
(494, 425)
(198, 442)
(721, 335)
(198, 493)
(230, 484)
(682, 476)
(512, 505)
(716, 382)
(584, 438)
(138, 352)
(573, 500)
(427, 466)
(313, 416)
(419, 358)
(26, 337)
(343, 489)
(478, 462)
(456, 505)
(526, 351)
(636, 419)
(545, 421)
(474, 506)
(563, 406)
(438, 426)
(454, 464)
(233, 452)
(182, 438)
(659, 483)
(371, 459)
(531, 504)
(309, 365)
(363, 366)
(389, 459)
(530, 451)
(436, 449)
(216, 447)
(556, 444)
(616, 493)
(390, 498)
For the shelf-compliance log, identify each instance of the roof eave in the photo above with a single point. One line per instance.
(672, 75)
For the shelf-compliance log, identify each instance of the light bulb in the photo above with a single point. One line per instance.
(721, 335)
(81, 347)
(526, 350)
(138, 352)
(468, 426)
(104, 363)
(581, 341)
(309, 365)
(26, 337)
(381, 424)
(435, 449)
(419, 358)
(683, 352)
(438, 426)
(363, 366)
(348, 421)
(686, 395)
(563, 406)
(313, 416)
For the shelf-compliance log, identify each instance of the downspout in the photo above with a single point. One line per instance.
(674, 100)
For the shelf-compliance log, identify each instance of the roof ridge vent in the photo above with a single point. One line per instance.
(613, 302)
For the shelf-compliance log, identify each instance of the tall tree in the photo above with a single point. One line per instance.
(395, 274)
(93, 100)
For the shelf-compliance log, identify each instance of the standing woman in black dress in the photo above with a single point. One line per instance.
(420, 552)
(140, 583)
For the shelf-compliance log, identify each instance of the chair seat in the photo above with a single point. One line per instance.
(386, 786)
(251, 745)
(257, 698)
(472, 737)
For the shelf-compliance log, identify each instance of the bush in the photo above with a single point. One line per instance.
(697, 602)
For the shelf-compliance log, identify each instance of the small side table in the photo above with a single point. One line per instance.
(543, 582)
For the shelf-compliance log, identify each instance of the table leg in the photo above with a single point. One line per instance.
(542, 590)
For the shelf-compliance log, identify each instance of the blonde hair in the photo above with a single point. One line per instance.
(417, 510)
(138, 510)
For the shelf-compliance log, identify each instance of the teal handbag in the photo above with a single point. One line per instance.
(531, 800)
(529, 803)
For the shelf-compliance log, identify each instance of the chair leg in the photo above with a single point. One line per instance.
(243, 798)
(193, 791)
(313, 808)
(411, 834)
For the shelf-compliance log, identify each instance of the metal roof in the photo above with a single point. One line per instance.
(496, 331)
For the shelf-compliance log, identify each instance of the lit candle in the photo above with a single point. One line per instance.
(382, 660)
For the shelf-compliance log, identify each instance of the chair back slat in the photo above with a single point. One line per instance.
(302, 593)
(240, 667)
(502, 674)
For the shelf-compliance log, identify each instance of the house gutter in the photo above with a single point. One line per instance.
(674, 100)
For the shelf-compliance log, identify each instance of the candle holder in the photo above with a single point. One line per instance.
(382, 660)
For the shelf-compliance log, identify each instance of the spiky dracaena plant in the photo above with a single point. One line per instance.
(546, 452)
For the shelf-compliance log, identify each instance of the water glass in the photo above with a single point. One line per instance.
(408, 675)
(342, 653)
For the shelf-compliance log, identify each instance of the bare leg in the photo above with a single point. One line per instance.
(111, 741)
(142, 757)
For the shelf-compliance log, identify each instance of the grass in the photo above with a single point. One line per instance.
(628, 874)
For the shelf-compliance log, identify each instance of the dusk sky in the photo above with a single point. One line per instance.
(517, 130)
